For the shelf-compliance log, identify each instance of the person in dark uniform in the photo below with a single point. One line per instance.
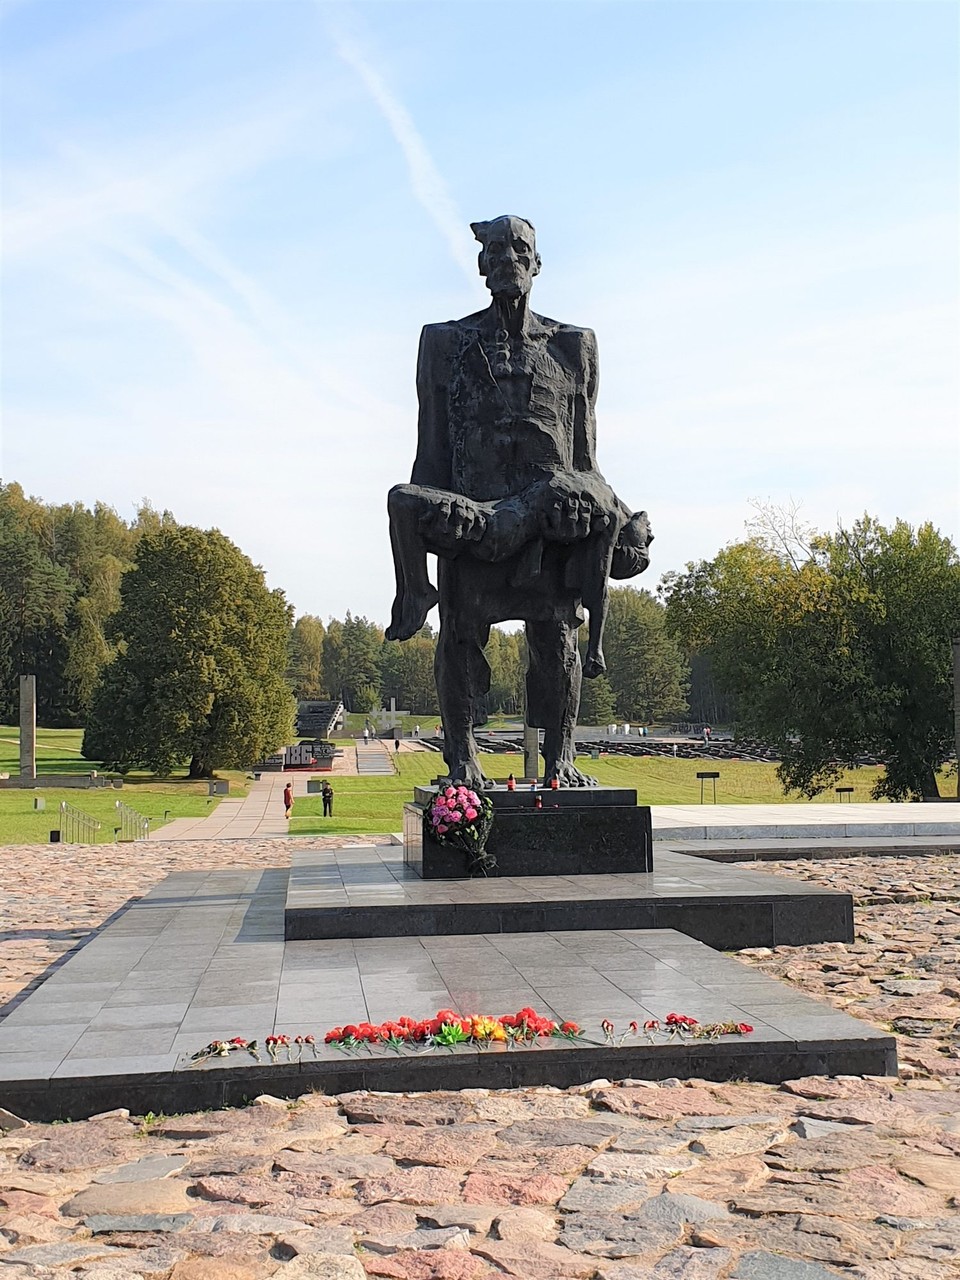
(326, 792)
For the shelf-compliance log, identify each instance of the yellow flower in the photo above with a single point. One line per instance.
(484, 1028)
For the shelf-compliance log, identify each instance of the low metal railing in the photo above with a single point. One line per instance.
(77, 827)
(132, 825)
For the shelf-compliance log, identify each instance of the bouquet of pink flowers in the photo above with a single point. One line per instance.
(461, 819)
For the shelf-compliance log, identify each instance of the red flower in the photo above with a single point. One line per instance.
(744, 1028)
(337, 1033)
(652, 1025)
(569, 1028)
(680, 1020)
(634, 1027)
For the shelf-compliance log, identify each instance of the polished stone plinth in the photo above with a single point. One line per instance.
(203, 957)
(369, 891)
(576, 831)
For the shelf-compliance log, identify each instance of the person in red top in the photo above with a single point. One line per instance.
(288, 800)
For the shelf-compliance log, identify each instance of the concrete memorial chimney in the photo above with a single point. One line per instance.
(28, 727)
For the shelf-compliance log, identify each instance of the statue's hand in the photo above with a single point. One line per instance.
(453, 519)
(569, 512)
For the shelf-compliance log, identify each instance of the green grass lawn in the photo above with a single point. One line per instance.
(21, 824)
(375, 805)
(58, 751)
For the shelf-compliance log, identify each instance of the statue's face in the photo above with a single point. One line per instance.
(509, 258)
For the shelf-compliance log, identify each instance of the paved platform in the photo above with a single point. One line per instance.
(203, 956)
(365, 891)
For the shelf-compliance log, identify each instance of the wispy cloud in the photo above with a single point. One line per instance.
(428, 184)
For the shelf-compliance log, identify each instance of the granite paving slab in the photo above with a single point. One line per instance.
(369, 891)
(222, 938)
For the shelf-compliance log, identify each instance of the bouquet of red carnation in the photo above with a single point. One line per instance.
(461, 819)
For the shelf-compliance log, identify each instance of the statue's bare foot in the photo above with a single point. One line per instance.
(468, 775)
(594, 665)
(409, 613)
(568, 775)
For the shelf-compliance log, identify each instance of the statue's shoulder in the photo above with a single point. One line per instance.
(573, 338)
(446, 337)
(448, 330)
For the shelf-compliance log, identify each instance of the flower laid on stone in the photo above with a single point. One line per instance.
(302, 1042)
(680, 1021)
(223, 1049)
(676, 1025)
(460, 818)
(275, 1044)
(449, 1028)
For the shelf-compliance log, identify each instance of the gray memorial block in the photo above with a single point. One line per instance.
(580, 831)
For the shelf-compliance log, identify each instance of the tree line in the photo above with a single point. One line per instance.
(80, 586)
(61, 566)
(348, 659)
(166, 644)
(830, 646)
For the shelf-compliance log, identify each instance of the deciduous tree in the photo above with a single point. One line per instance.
(199, 675)
(834, 650)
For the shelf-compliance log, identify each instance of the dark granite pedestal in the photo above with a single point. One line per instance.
(582, 831)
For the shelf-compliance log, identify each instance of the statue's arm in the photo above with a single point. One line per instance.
(631, 554)
(433, 462)
(585, 405)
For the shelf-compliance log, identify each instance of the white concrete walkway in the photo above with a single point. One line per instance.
(258, 814)
(782, 821)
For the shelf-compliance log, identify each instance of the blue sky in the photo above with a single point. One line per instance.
(225, 223)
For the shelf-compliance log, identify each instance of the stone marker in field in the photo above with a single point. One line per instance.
(28, 727)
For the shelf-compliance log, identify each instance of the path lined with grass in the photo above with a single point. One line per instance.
(375, 805)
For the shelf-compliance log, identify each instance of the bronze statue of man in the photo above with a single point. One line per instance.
(506, 493)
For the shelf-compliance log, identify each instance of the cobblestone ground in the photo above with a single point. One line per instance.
(817, 1178)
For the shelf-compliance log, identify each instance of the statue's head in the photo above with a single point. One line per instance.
(508, 259)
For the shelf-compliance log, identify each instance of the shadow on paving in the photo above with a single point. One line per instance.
(61, 960)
